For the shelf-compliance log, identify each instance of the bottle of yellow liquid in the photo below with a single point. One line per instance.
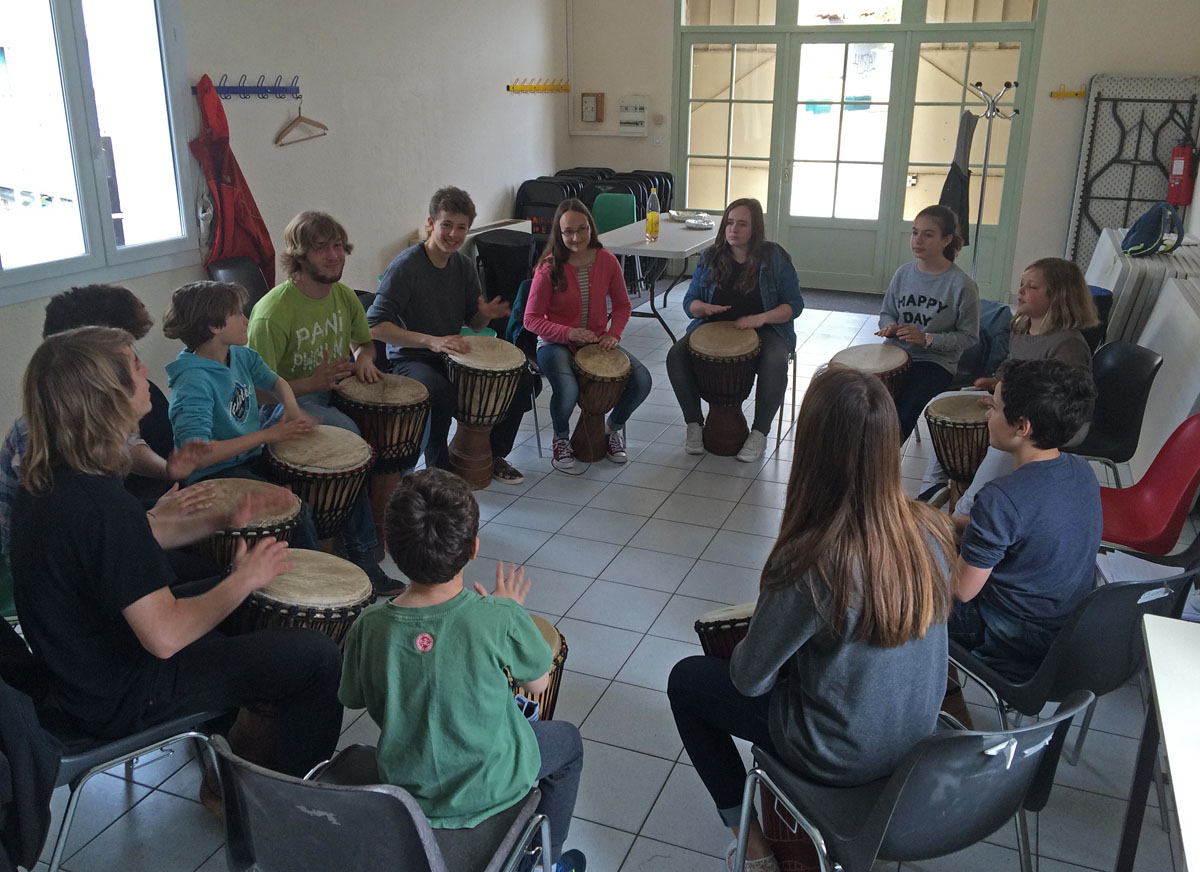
(652, 216)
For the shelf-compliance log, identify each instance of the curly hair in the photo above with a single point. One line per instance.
(99, 306)
(430, 525)
(307, 231)
(452, 201)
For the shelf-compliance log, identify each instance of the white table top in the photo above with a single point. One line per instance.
(675, 240)
(1172, 650)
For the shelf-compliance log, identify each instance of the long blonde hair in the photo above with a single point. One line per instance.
(847, 519)
(78, 405)
(1070, 298)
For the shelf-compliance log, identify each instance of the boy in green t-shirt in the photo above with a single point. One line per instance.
(428, 665)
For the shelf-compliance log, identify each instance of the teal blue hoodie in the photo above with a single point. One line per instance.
(211, 401)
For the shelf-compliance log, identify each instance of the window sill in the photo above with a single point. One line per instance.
(45, 286)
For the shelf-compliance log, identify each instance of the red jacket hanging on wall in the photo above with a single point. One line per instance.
(238, 227)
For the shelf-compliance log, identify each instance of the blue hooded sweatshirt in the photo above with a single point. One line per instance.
(211, 401)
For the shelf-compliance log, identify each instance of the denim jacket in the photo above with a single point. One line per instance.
(777, 283)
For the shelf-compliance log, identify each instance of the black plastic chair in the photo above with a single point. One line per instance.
(953, 789)
(277, 823)
(1124, 373)
(244, 272)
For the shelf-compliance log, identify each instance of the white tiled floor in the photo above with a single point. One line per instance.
(623, 560)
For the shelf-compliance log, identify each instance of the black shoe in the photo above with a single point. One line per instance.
(930, 492)
(382, 584)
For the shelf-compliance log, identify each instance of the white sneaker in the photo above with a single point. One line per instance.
(753, 448)
(693, 443)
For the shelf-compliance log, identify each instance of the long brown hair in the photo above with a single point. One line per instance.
(78, 406)
(720, 257)
(847, 519)
(556, 252)
(1071, 303)
(947, 223)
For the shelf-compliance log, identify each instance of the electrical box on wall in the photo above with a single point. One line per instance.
(633, 114)
(592, 106)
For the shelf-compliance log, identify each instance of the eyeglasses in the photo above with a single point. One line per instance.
(578, 231)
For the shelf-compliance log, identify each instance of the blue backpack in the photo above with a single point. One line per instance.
(1148, 235)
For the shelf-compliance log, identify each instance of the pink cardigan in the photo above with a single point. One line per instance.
(552, 314)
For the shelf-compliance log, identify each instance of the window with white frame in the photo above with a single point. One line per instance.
(92, 161)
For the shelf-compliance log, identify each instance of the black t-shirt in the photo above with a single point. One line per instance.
(749, 303)
(81, 553)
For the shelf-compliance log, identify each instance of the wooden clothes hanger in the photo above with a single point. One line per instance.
(300, 118)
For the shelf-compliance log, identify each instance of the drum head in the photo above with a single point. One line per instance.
(489, 353)
(960, 409)
(318, 580)
(728, 615)
(230, 492)
(595, 361)
(325, 449)
(720, 339)
(393, 390)
(874, 358)
(549, 633)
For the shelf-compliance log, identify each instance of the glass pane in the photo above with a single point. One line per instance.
(709, 132)
(751, 130)
(813, 12)
(711, 71)
(816, 131)
(706, 184)
(994, 64)
(821, 71)
(934, 134)
(940, 72)
(724, 12)
(864, 129)
(945, 11)
(812, 189)
(992, 197)
(131, 106)
(858, 187)
(754, 72)
(924, 189)
(749, 178)
(39, 197)
(869, 72)
(999, 152)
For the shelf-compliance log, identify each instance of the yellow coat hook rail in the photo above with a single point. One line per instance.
(539, 86)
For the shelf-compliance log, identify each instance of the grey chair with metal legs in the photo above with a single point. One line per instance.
(779, 429)
(955, 788)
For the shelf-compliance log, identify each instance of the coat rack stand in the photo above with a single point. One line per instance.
(990, 112)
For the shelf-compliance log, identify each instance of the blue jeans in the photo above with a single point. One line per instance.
(562, 765)
(1012, 646)
(923, 381)
(555, 363)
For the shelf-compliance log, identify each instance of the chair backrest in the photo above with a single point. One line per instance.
(1100, 647)
(1124, 373)
(516, 333)
(245, 272)
(276, 823)
(956, 788)
(1167, 489)
(613, 210)
(606, 186)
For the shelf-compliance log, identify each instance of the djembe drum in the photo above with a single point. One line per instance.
(723, 358)
(602, 376)
(548, 698)
(720, 631)
(486, 378)
(325, 468)
(391, 415)
(958, 430)
(320, 591)
(228, 495)
(888, 362)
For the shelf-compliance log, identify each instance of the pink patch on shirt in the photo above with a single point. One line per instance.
(424, 643)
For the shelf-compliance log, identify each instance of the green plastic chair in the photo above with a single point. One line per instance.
(611, 211)
(486, 331)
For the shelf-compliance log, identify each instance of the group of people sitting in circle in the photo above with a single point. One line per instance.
(843, 669)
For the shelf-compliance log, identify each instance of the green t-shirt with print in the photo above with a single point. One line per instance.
(433, 679)
(293, 332)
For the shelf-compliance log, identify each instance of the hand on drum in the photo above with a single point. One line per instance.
(749, 322)
(581, 336)
(256, 503)
(986, 384)
(888, 332)
(606, 342)
(701, 309)
(511, 584)
(494, 308)
(187, 501)
(366, 371)
(268, 559)
(905, 333)
(329, 372)
(187, 459)
(449, 344)
(288, 428)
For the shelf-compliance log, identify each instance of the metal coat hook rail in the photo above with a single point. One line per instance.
(260, 89)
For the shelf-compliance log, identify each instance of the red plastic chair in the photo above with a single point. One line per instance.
(1148, 516)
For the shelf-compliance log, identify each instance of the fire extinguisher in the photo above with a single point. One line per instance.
(1182, 177)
